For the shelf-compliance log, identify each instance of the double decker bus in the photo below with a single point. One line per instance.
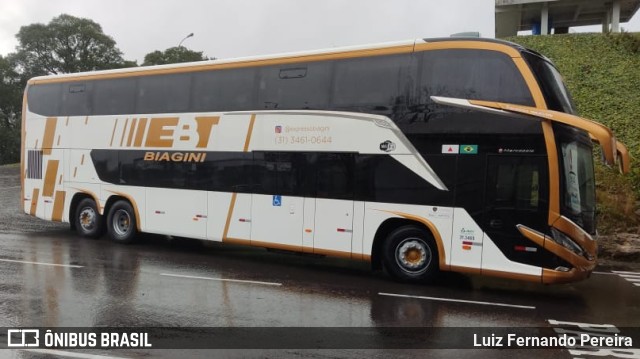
(422, 156)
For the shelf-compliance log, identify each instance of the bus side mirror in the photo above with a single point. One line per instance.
(624, 163)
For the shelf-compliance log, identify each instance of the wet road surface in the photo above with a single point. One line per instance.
(50, 277)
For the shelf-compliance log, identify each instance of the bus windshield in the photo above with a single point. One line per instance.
(553, 87)
(578, 186)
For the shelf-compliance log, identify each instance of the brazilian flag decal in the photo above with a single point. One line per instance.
(469, 149)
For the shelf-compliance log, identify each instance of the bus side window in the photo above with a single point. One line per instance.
(45, 99)
(472, 74)
(516, 183)
(224, 172)
(282, 173)
(76, 98)
(372, 81)
(334, 175)
(164, 93)
(227, 90)
(295, 87)
(116, 96)
(381, 178)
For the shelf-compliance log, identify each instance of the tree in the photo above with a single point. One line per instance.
(66, 44)
(173, 55)
(10, 108)
(10, 88)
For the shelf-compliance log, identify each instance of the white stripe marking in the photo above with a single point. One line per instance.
(70, 354)
(636, 284)
(220, 279)
(42, 264)
(459, 301)
(625, 272)
(630, 276)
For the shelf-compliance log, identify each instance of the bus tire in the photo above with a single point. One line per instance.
(411, 255)
(122, 222)
(88, 221)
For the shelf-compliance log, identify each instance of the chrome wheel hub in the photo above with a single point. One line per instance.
(121, 222)
(413, 255)
(87, 218)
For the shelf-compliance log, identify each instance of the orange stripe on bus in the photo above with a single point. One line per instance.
(131, 131)
(113, 133)
(229, 214)
(34, 201)
(341, 54)
(50, 178)
(49, 132)
(58, 206)
(534, 88)
(249, 132)
(82, 160)
(474, 45)
(554, 172)
(142, 126)
(124, 131)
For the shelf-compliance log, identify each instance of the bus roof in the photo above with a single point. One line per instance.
(388, 48)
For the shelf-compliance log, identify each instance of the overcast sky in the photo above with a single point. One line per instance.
(234, 28)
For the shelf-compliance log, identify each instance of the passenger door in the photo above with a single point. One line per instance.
(334, 184)
(516, 193)
(277, 206)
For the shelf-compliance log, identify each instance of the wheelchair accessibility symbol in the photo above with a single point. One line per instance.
(277, 201)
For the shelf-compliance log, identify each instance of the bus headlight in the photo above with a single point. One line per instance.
(564, 240)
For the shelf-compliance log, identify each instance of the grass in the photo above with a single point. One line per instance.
(602, 72)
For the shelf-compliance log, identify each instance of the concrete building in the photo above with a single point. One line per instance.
(541, 16)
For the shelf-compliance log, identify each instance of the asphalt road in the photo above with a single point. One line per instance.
(50, 277)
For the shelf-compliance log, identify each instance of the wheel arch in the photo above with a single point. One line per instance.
(404, 219)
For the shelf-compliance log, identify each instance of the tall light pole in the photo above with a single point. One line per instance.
(186, 37)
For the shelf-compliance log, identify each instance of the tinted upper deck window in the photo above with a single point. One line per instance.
(164, 93)
(224, 90)
(472, 74)
(76, 98)
(115, 97)
(294, 87)
(551, 83)
(45, 99)
(377, 81)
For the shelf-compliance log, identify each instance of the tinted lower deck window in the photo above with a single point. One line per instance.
(517, 182)
(346, 176)
(384, 179)
(283, 173)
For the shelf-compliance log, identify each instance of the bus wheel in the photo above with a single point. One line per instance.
(88, 221)
(410, 255)
(121, 222)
